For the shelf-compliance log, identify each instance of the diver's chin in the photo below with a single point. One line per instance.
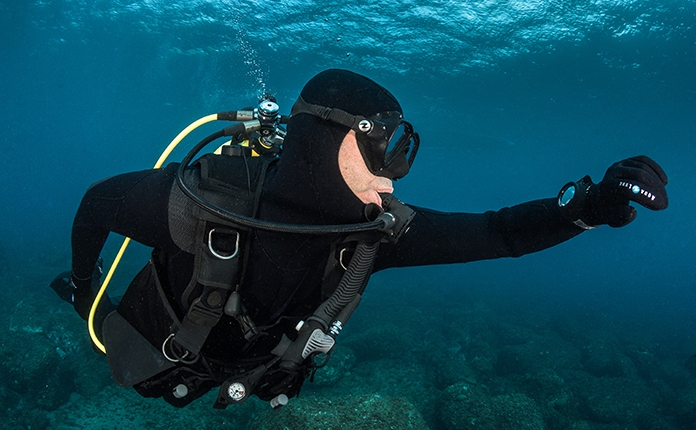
(371, 196)
(378, 199)
(378, 195)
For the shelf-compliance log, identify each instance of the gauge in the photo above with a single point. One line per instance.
(236, 391)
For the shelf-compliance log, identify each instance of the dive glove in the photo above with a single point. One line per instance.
(80, 293)
(638, 179)
(83, 298)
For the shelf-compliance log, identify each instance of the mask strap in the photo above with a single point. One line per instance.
(326, 113)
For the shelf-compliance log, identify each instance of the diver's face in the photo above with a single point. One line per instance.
(359, 179)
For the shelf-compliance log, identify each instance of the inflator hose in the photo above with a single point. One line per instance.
(351, 283)
(343, 301)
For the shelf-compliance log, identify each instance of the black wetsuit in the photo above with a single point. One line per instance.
(285, 271)
(281, 282)
(284, 274)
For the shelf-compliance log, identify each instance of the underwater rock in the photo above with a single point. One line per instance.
(553, 395)
(15, 413)
(547, 388)
(517, 411)
(616, 400)
(46, 357)
(34, 367)
(380, 342)
(602, 356)
(541, 352)
(93, 375)
(608, 363)
(685, 408)
(368, 412)
(646, 364)
(675, 374)
(481, 357)
(396, 378)
(589, 425)
(123, 409)
(340, 363)
(464, 406)
(450, 370)
(510, 334)
(9, 400)
(31, 419)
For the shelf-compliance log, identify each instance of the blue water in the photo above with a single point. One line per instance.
(512, 100)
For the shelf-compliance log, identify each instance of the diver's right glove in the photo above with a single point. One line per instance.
(83, 298)
(638, 179)
(80, 293)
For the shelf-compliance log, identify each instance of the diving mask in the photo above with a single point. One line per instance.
(387, 143)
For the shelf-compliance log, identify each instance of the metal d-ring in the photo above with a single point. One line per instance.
(179, 359)
(340, 258)
(217, 254)
(164, 349)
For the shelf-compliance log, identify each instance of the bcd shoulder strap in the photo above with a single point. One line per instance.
(233, 183)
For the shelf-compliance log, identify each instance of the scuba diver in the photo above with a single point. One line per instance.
(262, 252)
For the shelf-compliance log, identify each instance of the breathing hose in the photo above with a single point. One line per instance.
(380, 222)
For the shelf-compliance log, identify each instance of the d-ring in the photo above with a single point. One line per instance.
(164, 351)
(217, 254)
(340, 258)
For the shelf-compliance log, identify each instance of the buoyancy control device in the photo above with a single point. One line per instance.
(157, 351)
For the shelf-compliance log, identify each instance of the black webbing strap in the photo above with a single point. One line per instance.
(217, 274)
(221, 250)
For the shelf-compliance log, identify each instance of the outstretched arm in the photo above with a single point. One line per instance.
(440, 238)
(443, 238)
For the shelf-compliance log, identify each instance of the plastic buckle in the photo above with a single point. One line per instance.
(204, 314)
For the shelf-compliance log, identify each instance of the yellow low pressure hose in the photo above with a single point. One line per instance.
(126, 241)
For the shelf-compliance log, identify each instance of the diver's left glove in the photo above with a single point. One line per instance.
(636, 179)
